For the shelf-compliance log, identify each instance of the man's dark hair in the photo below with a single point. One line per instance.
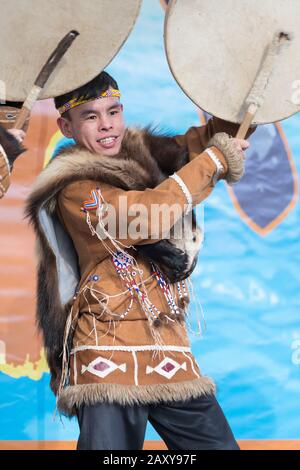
(90, 90)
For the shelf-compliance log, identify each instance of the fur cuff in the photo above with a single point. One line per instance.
(234, 157)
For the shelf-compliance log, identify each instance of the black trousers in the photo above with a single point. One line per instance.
(196, 424)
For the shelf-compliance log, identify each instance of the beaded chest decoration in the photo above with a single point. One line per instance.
(129, 271)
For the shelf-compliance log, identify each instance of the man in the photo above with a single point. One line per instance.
(118, 351)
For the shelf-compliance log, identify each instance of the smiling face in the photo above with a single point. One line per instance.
(97, 125)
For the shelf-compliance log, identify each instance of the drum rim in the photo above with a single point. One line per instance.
(284, 116)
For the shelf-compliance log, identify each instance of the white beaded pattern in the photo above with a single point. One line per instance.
(220, 168)
(185, 191)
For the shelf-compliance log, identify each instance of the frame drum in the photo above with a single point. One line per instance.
(30, 30)
(215, 50)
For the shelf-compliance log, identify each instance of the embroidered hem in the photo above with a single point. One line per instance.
(90, 394)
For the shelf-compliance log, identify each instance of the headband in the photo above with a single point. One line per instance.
(111, 92)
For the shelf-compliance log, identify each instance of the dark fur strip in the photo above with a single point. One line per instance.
(169, 155)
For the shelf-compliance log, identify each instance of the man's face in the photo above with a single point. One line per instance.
(97, 125)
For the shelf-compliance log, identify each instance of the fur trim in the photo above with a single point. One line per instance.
(234, 157)
(135, 167)
(74, 396)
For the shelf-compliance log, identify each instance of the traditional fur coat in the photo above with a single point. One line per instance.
(113, 325)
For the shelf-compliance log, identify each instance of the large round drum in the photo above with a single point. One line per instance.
(215, 50)
(30, 30)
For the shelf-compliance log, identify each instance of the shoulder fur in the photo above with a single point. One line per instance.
(132, 168)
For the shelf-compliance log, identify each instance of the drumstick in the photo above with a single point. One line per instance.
(43, 76)
(256, 96)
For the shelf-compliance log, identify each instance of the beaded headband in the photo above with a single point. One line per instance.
(74, 102)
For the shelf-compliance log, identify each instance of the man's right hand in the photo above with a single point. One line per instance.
(241, 144)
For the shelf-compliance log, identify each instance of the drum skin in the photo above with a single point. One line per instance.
(215, 50)
(35, 28)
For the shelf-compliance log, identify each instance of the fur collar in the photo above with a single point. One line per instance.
(144, 160)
